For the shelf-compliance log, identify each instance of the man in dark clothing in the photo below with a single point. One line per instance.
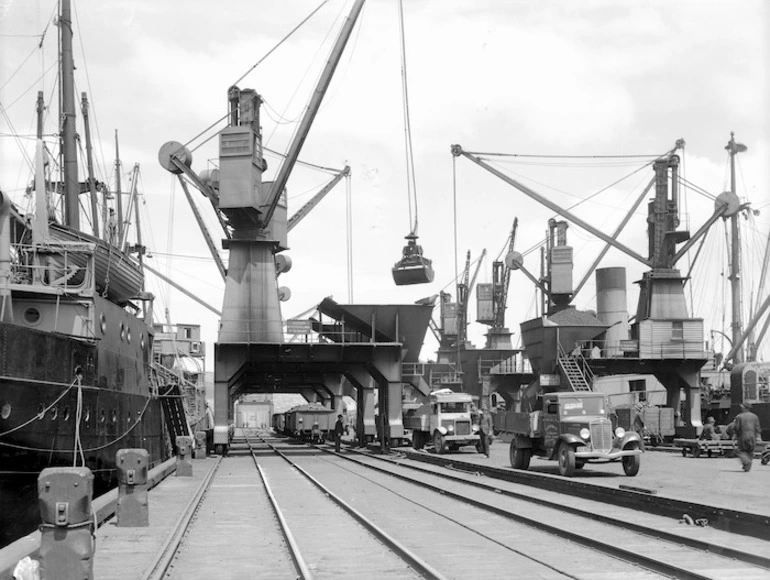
(746, 429)
(485, 431)
(709, 432)
(338, 429)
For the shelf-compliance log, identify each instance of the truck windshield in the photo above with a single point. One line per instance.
(453, 408)
(587, 406)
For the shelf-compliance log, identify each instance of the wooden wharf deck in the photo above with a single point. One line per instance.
(233, 534)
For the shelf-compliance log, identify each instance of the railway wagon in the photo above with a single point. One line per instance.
(300, 420)
(279, 422)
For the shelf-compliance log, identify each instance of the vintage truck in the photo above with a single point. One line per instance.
(573, 428)
(445, 419)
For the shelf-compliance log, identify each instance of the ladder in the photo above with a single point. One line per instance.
(574, 373)
(174, 413)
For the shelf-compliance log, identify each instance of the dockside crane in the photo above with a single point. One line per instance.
(256, 214)
(492, 297)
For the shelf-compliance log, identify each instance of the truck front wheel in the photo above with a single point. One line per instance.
(631, 463)
(566, 460)
(438, 442)
(519, 456)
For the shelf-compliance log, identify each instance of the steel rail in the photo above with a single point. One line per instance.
(598, 545)
(168, 549)
(714, 549)
(296, 555)
(743, 523)
(405, 553)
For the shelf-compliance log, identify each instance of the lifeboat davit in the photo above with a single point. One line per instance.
(413, 267)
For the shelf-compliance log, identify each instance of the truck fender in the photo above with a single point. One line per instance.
(629, 438)
(523, 442)
(441, 430)
(571, 439)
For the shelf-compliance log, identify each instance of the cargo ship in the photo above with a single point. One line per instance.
(78, 380)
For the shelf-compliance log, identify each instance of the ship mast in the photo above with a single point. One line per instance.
(735, 256)
(68, 132)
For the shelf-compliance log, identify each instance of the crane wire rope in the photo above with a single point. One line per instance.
(349, 234)
(244, 75)
(284, 39)
(411, 186)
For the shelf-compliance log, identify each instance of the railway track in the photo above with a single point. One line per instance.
(282, 509)
(736, 522)
(570, 542)
(276, 522)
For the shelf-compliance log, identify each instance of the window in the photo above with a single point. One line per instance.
(640, 387)
(677, 330)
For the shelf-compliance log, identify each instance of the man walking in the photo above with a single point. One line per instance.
(338, 429)
(485, 430)
(746, 429)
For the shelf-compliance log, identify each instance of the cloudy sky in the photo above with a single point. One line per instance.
(554, 78)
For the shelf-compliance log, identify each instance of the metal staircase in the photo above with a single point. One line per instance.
(574, 372)
(173, 391)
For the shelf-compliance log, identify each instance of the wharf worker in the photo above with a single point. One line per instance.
(746, 429)
(486, 429)
(315, 433)
(709, 432)
(338, 429)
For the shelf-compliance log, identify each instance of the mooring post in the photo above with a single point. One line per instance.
(184, 456)
(133, 501)
(67, 540)
(200, 445)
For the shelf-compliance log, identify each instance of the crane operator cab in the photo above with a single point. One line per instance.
(413, 267)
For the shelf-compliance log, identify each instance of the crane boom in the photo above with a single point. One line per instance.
(316, 199)
(310, 113)
(500, 292)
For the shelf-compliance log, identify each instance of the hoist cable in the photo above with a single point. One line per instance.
(284, 39)
(411, 188)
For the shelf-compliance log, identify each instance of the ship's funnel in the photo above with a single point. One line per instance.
(611, 307)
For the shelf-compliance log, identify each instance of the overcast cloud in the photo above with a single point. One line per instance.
(552, 77)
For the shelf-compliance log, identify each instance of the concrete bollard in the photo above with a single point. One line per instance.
(67, 541)
(133, 501)
(184, 456)
(200, 445)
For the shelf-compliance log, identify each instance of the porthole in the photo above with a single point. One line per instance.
(102, 417)
(87, 415)
(114, 416)
(103, 323)
(32, 316)
(66, 413)
(128, 420)
(41, 411)
(128, 335)
(6, 411)
(122, 331)
(54, 413)
(141, 341)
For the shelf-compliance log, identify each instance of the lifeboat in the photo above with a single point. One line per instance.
(413, 267)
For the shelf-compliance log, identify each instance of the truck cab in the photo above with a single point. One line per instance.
(574, 428)
(445, 419)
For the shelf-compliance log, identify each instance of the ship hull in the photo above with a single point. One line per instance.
(41, 401)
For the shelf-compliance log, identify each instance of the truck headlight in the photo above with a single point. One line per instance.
(585, 434)
(450, 428)
(475, 428)
(619, 432)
